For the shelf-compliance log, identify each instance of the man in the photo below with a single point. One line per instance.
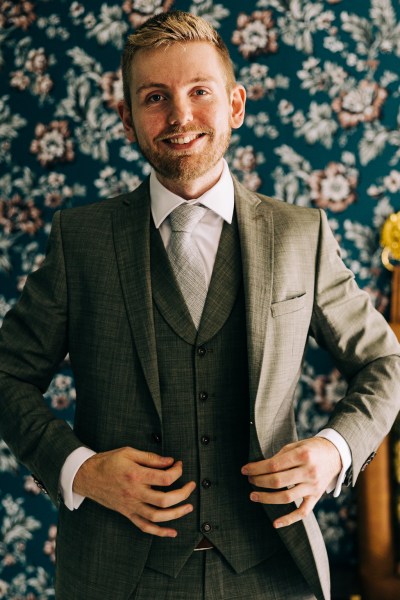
(185, 307)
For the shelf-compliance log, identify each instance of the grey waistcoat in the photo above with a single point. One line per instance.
(205, 413)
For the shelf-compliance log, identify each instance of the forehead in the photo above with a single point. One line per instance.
(177, 64)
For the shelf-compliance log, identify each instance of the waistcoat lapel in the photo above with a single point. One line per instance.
(131, 230)
(166, 293)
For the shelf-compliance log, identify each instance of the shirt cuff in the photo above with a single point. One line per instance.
(73, 462)
(345, 454)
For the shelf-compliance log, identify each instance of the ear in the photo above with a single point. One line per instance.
(126, 117)
(238, 102)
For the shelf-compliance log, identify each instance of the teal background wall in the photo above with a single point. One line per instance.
(322, 129)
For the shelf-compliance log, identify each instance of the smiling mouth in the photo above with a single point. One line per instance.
(181, 140)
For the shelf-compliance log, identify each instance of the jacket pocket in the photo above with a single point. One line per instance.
(288, 306)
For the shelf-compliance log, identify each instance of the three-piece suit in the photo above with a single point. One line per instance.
(215, 397)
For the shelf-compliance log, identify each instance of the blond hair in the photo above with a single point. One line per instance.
(168, 28)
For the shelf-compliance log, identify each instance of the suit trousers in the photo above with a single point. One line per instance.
(207, 576)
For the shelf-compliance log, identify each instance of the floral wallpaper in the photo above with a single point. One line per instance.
(322, 129)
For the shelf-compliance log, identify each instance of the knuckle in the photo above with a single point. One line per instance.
(167, 479)
(313, 471)
(273, 465)
(286, 496)
(152, 514)
(305, 454)
(163, 502)
(276, 481)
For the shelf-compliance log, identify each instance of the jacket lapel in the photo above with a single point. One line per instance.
(257, 247)
(224, 284)
(131, 230)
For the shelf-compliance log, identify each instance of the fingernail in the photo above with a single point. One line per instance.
(189, 509)
(245, 471)
(254, 497)
(277, 525)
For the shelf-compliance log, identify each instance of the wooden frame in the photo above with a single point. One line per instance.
(376, 535)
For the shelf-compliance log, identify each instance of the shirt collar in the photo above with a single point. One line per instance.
(220, 198)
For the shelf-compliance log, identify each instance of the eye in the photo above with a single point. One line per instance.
(201, 92)
(155, 98)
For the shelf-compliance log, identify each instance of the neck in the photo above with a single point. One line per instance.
(192, 189)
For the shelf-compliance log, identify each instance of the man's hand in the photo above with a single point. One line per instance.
(123, 480)
(299, 471)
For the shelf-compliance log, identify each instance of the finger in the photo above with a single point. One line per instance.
(284, 496)
(290, 456)
(152, 529)
(161, 515)
(271, 465)
(167, 499)
(300, 513)
(281, 479)
(150, 459)
(159, 477)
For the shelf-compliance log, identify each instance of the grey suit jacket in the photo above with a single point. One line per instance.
(92, 298)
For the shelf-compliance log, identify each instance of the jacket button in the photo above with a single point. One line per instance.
(201, 351)
(206, 527)
(206, 483)
(205, 440)
(203, 396)
(156, 437)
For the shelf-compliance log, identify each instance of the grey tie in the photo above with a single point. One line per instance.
(185, 258)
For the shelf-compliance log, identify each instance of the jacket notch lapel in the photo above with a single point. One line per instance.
(257, 247)
(131, 230)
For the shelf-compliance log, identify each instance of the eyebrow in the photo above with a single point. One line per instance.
(164, 86)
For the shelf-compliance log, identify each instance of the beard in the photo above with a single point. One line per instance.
(186, 165)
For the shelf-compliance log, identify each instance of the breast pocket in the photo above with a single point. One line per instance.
(290, 326)
(290, 305)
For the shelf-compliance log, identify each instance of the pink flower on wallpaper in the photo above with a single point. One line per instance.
(17, 214)
(245, 159)
(49, 547)
(139, 11)
(34, 75)
(360, 105)
(19, 80)
(30, 486)
(52, 143)
(256, 34)
(17, 13)
(111, 84)
(329, 389)
(42, 85)
(36, 61)
(333, 187)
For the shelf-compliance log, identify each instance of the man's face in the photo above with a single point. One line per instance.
(182, 112)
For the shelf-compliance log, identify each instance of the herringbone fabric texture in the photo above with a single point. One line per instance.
(185, 258)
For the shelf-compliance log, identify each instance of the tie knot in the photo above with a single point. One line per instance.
(186, 216)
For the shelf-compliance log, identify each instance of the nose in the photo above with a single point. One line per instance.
(180, 112)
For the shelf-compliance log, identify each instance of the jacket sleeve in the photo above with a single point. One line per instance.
(364, 349)
(33, 342)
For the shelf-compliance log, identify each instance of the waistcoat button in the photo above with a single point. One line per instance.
(203, 396)
(156, 437)
(201, 351)
(206, 483)
(206, 527)
(205, 440)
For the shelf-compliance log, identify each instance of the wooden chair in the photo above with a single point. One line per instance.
(378, 562)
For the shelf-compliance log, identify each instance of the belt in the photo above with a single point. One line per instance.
(204, 544)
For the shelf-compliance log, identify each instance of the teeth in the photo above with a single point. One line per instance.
(183, 140)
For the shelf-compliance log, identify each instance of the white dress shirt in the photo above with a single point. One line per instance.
(220, 200)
